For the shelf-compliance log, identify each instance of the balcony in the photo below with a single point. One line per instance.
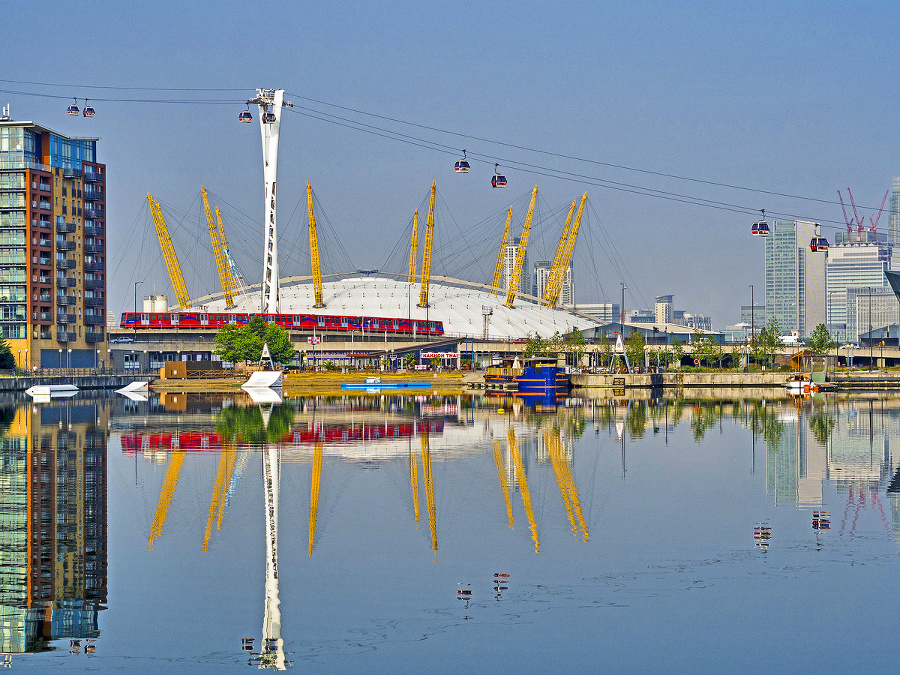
(65, 228)
(93, 231)
(65, 265)
(46, 261)
(45, 298)
(94, 302)
(65, 283)
(65, 318)
(93, 248)
(65, 300)
(45, 280)
(46, 225)
(94, 320)
(45, 316)
(92, 213)
(93, 266)
(64, 336)
(94, 284)
(65, 246)
(93, 195)
(94, 337)
(45, 205)
(71, 173)
(93, 176)
(45, 187)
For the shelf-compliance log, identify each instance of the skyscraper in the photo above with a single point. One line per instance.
(894, 219)
(795, 277)
(52, 246)
(509, 265)
(542, 275)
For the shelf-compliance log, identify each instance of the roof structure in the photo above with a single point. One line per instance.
(458, 304)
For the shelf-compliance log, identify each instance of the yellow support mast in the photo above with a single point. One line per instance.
(165, 243)
(426, 256)
(560, 248)
(499, 461)
(414, 249)
(217, 502)
(414, 482)
(314, 250)
(560, 277)
(221, 264)
(429, 490)
(520, 253)
(237, 283)
(176, 461)
(522, 482)
(498, 270)
(314, 494)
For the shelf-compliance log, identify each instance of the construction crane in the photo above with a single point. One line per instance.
(560, 248)
(221, 263)
(426, 255)
(314, 250)
(520, 253)
(878, 215)
(165, 243)
(558, 276)
(414, 249)
(498, 270)
(860, 225)
(847, 221)
(170, 482)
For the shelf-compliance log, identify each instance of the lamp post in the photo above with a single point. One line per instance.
(870, 327)
(135, 306)
(752, 326)
(60, 359)
(830, 293)
(109, 359)
(622, 313)
(69, 358)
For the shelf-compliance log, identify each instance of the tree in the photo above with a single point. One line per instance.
(575, 344)
(279, 340)
(238, 343)
(765, 345)
(634, 348)
(677, 351)
(535, 345)
(7, 360)
(409, 360)
(258, 325)
(820, 341)
(605, 348)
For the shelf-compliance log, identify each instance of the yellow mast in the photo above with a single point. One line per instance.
(560, 479)
(221, 264)
(176, 461)
(237, 283)
(426, 256)
(557, 281)
(414, 249)
(560, 247)
(217, 503)
(429, 490)
(520, 253)
(414, 481)
(165, 243)
(498, 270)
(499, 460)
(314, 494)
(314, 250)
(523, 485)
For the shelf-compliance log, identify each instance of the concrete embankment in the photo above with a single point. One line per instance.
(80, 381)
(678, 380)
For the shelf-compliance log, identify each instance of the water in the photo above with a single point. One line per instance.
(626, 529)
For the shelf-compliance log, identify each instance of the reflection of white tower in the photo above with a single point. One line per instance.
(270, 102)
(272, 647)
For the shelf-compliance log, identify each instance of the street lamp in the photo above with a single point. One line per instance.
(69, 358)
(752, 326)
(60, 359)
(134, 323)
(870, 327)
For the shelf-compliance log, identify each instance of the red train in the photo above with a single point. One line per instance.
(301, 322)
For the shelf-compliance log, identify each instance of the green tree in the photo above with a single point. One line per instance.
(820, 341)
(634, 348)
(575, 346)
(677, 351)
(409, 359)
(605, 349)
(715, 349)
(238, 343)
(258, 325)
(7, 360)
(279, 340)
(535, 345)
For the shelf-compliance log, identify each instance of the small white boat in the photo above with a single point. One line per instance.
(800, 383)
(52, 390)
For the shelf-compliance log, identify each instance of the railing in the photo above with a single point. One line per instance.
(45, 205)
(91, 320)
(46, 225)
(93, 231)
(65, 300)
(92, 213)
(94, 284)
(64, 336)
(65, 283)
(95, 337)
(45, 187)
(93, 266)
(93, 248)
(46, 316)
(65, 246)
(65, 265)
(65, 318)
(94, 302)
(71, 173)
(93, 176)
(65, 228)
(93, 195)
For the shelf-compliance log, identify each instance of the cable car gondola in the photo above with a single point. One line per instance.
(73, 109)
(498, 180)
(269, 118)
(818, 244)
(462, 165)
(88, 109)
(761, 227)
(245, 116)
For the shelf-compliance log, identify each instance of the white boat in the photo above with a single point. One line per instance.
(800, 383)
(51, 390)
(136, 387)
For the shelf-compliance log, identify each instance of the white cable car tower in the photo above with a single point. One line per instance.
(270, 102)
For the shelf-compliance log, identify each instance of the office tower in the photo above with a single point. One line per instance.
(795, 277)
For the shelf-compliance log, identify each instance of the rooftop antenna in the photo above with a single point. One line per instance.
(5, 116)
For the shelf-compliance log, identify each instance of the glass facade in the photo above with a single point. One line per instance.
(795, 277)
(894, 219)
(853, 268)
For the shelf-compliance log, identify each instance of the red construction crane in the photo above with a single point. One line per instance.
(860, 227)
(880, 209)
(848, 221)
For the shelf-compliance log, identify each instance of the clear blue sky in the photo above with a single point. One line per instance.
(791, 97)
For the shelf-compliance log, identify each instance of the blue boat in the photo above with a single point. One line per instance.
(529, 377)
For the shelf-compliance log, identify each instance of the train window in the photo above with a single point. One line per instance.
(321, 320)
(174, 319)
(396, 323)
(344, 321)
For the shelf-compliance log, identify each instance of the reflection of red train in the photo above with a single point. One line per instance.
(355, 433)
(304, 322)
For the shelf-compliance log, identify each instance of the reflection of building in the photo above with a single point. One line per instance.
(53, 539)
(796, 465)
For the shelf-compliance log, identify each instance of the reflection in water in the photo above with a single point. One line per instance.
(53, 537)
(829, 457)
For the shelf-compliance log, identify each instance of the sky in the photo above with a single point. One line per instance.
(619, 98)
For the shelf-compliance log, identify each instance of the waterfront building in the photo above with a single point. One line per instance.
(509, 265)
(795, 277)
(52, 246)
(604, 312)
(869, 308)
(855, 264)
(664, 309)
(894, 216)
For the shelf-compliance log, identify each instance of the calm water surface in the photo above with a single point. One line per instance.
(215, 534)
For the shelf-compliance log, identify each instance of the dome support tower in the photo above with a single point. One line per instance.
(270, 103)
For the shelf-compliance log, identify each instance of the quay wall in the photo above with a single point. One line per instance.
(80, 381)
